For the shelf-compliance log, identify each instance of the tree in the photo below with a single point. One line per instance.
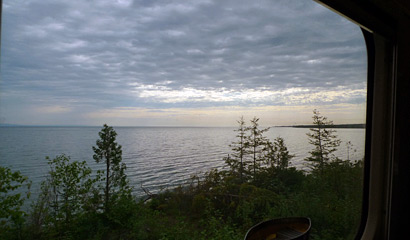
(324, 140)
(257, 142)
(240, 149)
(109, 152)
(278, 155)
(350, 148)
(64, 195)
(11, 201)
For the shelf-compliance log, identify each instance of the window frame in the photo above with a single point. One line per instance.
(385, 213)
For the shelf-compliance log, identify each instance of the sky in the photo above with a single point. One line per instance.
(178, 63)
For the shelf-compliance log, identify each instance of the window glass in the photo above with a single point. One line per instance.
(228, 113)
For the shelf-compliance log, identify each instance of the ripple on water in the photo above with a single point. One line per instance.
(155, 157)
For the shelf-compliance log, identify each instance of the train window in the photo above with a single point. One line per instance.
(228, 115)
(387, 35)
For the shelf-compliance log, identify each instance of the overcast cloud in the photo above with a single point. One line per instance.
(149, 62)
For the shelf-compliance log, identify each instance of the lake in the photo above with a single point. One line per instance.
(156, 157)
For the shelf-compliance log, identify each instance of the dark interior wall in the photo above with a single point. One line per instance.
(387, 208)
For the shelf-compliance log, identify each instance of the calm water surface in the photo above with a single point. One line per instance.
(156, 157)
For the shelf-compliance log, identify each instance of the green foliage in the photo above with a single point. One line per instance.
(215, 227)
(69, 206)
(65, 194)
(254, 203)
(332, 197)
(277, 154)
(257, 143)
(323, 139)
(11, 202)
(222, 204)
(240, 149)
(109, 152)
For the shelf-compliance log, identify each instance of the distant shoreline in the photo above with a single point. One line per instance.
(91, 126)
(358, 125)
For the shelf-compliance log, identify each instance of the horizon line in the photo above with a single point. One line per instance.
(164, 126)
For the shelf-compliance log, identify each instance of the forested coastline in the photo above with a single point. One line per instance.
(259, 183)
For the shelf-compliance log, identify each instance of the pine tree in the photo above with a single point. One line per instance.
(278, 155)
(240, 150)
(257, 142)
(109, 152)
(324, 140)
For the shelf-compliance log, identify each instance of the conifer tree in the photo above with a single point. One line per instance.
(109, 152)
(240, 149)
(324, 140)
(278, 155)
(257, 142)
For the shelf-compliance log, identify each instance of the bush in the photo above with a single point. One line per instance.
(12, 217)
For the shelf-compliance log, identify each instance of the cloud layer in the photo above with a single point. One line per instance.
(62, 61)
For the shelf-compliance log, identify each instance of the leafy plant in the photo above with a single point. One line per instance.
(12, 217)
(221, 204)
(64, 195)
(278, 155)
